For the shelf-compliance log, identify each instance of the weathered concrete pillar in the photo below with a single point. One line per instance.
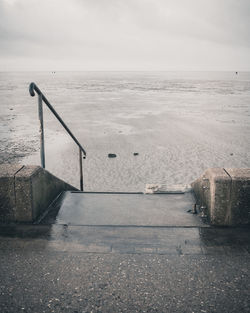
(225, 194)
(240, 195)
(27, 191)
(7, 191)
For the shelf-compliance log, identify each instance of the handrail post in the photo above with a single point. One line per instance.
(40, 111)
(81, 174)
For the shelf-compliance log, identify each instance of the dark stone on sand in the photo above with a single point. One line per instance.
(136, 153)
(112, 155)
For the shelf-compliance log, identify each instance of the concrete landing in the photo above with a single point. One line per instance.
(126, 209)
(178, 241)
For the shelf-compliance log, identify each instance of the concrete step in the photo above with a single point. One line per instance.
(124, 209)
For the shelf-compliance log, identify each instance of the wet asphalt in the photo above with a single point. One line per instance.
(67, 267)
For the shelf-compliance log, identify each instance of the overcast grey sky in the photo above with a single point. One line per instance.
(124, 35)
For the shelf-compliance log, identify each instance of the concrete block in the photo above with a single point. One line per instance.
(7, 190)
(27, 191)
(240, 195)
(225, 195)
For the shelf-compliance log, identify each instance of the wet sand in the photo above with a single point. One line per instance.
(176, 134)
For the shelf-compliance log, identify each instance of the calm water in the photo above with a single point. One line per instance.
(179, 123)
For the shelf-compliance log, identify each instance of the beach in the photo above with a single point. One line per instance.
(164, 127)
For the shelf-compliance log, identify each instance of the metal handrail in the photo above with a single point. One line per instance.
(41, 97)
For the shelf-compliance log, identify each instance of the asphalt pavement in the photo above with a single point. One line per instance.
(63, 266)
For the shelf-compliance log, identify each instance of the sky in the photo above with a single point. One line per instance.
(126, 35)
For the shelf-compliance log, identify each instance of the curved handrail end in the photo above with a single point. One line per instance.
(32, 89)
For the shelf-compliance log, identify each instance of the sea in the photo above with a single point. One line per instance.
(164, 127)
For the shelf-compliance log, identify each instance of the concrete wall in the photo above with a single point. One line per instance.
(225, 194)
(27, 191)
